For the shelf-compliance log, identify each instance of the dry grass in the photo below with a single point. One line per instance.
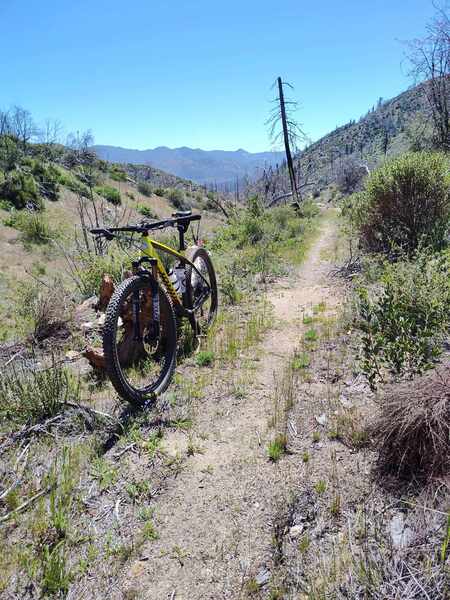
(413, 430)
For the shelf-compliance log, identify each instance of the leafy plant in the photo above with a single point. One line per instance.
(146, 211)
(277, 447)
(205, 358)
(403, 323)
(33, 226)
(145, 188)
(21, 190)
(405, 204)
(176, 196)
(117, 174)
(109, 193)
(32, 396)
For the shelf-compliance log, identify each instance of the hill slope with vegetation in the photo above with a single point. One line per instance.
(343, 157)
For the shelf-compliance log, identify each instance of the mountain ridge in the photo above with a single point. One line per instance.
(202, 166)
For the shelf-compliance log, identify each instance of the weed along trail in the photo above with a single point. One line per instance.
(215, 520)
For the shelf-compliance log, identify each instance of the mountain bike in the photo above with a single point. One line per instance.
(141, 324)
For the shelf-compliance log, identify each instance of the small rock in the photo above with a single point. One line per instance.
(72, 355)
(90, 302)
(346, 403)
(101, 319)
(401, 536)
(321, 419)
(295, 531)
(87, 326)
(80, 367)
(263, 577)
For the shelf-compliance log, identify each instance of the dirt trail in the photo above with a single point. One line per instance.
(215, 519)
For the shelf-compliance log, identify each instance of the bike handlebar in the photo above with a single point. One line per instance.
(144, 227)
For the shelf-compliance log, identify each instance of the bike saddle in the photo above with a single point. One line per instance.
(182, 213)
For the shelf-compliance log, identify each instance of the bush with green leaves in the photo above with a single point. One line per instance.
(146, 211)
(117, 174)
(71, 182)
(28, 396)
(43, 312)
(47, 178)
(160, 191)
(403, 322)
(109, 193)
(92, 268)
(20, 190)
(405, 204)
(34, 226)
(176, 197)
(144, 188)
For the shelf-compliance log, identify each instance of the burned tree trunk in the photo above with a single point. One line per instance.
(287, 147)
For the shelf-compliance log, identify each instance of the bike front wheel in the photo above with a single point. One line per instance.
(140, 356)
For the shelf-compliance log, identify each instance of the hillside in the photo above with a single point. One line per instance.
(202, 166)
(388, 129)
(55, 180)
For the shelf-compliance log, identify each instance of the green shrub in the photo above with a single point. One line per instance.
(405, 204)
(145, 188)
(92, 268)
(176, 196)
(403, 324)
(117, 174)
(43, 312)
(21, 191)
(277, 447)
(146, 211)
(205, 358)
(109, 193)
(71, 182)
(34, 227)
(32, 396)
(160, 192)
(47, 177)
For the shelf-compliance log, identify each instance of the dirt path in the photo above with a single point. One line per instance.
(215, 520)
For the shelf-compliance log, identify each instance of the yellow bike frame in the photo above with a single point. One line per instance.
(149, 248)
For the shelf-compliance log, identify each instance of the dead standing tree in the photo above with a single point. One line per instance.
(430, 62)
(291, 132)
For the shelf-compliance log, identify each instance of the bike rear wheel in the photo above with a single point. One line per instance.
(139, 360)
(196, 286)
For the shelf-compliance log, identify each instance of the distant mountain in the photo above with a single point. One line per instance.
(201, 166)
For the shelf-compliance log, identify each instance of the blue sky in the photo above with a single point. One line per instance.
(198, 73)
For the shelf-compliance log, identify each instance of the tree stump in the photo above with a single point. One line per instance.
(129, 350)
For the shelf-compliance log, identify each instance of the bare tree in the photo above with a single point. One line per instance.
(430, 63)
(290, 131)
(51, 132)
(22, 125)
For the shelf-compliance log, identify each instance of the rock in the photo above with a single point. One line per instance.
(90, 302)
(401, 535)
(345, 402)
(101, 319)
(72, 355)
(80, 367)
(322, 419)
(263, 577)
(87, 326)
(95, 357)
(295, 531)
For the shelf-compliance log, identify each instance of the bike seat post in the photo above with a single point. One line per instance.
(182, 245)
